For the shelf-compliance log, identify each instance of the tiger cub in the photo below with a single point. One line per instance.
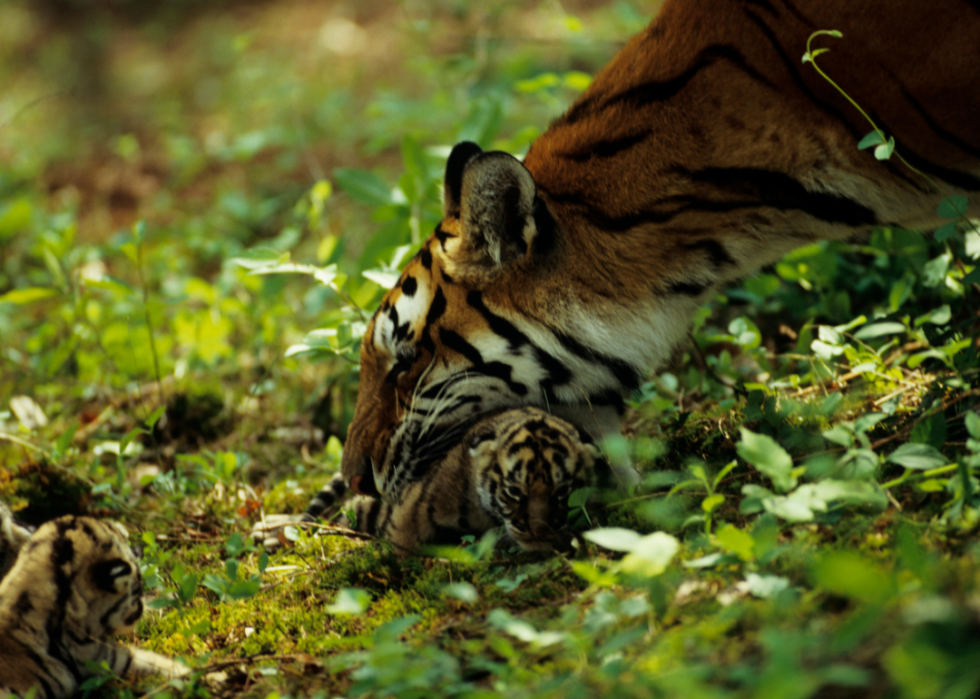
(516, 469)
(12, 537)
(75, 584)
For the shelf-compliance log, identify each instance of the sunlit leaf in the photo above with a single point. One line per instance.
(350, 600)
(885, 150)
(385, 278)
(736, 541)
(937, 316)
(765, 586)
(849, 574)
(651, 555)
(463, 591)
(613, 538)
(879, 329)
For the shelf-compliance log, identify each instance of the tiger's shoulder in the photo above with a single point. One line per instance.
(74, 585)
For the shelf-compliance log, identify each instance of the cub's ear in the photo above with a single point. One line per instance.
(493, 195)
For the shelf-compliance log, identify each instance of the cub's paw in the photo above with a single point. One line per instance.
(149, 663)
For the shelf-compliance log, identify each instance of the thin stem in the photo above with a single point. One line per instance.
(911, 475)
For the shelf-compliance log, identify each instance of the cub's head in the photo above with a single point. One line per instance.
(436, 353)
(527, 464)
(89, 563)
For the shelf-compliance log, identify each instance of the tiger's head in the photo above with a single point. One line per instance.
(451, 340)
(527, 463)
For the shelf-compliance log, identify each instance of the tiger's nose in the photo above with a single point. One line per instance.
(365, 485)
(356, 467)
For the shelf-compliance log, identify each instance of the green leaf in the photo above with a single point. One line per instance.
(243, 589)
(849, 574)
(235, 544)
(613, 538)
(651, 555)
(28, 295)
(580, 497)
(254, 258)
(872, 139)
(839, 435)
(973, 277)
(953, 207)
(931, 431)
(765, 586)
(711, 502)
(879, 329)
(900, 293)
(885, 150)
(385, 278)
(745, 332)
(824, 351)
(736, 541)
(350, 600)
(937, 316)
(972, 421)
(363, 186)
(463, 591)
(917, 359)
(803, 503)
(934, 271)
(946, 231)
(186, 588)
(768, 457)
(154, 416)
(109, 284)
(921, 457)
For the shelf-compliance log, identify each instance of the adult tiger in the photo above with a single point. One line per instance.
(702, 152)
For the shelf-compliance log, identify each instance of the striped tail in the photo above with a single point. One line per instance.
(331, 494)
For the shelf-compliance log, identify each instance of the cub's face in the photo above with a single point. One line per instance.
(528, 463)
(94, 559)
(434, 356)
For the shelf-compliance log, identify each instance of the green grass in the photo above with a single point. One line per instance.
(148, 150)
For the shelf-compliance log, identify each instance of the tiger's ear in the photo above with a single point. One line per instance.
(493, 195)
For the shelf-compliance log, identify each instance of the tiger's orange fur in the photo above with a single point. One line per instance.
(705, 150)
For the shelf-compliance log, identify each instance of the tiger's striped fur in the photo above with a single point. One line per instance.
(13, 536)
(75, 584)
(514, 469)
(702, 152)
